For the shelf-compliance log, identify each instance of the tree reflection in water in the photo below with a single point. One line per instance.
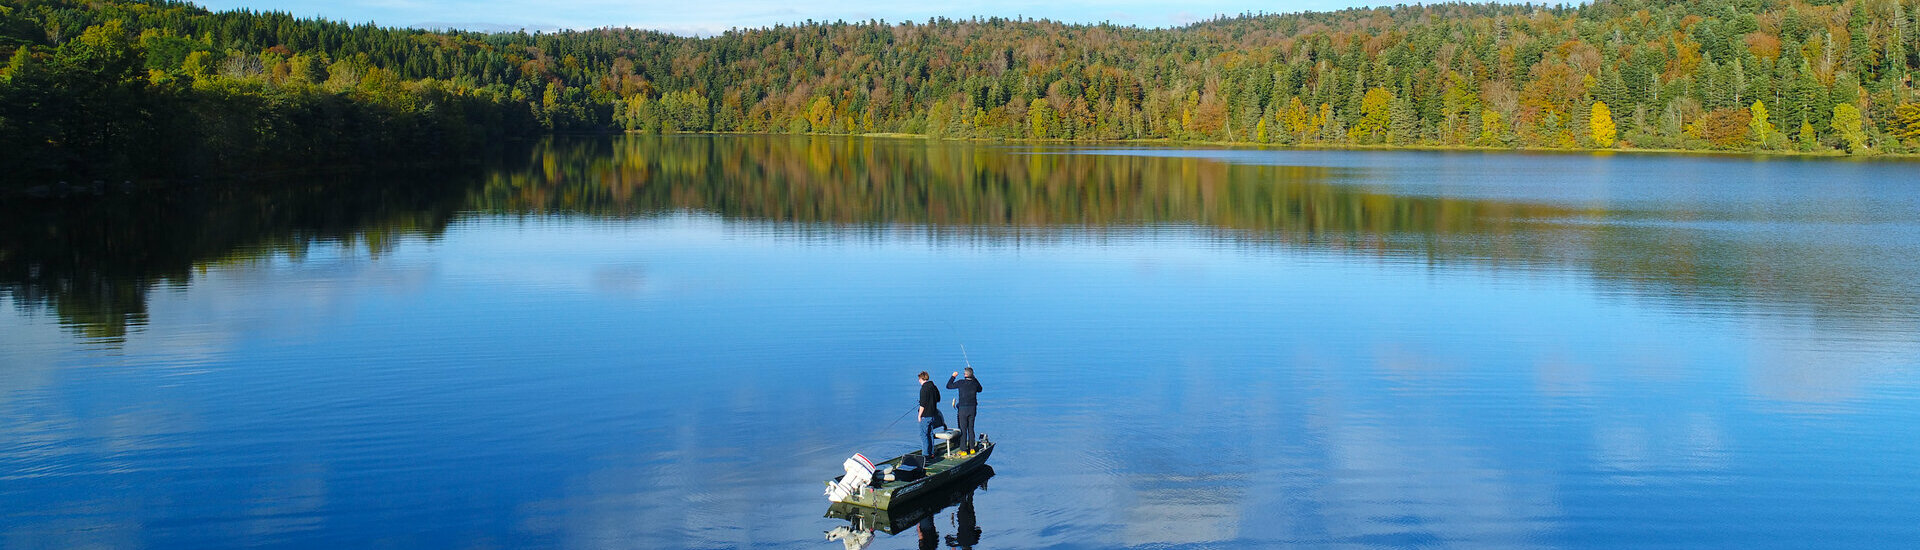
(92, 262)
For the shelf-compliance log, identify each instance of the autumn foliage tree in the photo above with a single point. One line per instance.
(1375, 115)
(1601, 124)
(1906, 121)
(1724, 128)
(1846, 123)
(1759, 128)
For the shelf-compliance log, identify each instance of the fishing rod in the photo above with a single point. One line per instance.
(963, 356)
(903, 416)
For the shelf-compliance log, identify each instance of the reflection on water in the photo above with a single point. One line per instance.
(1831, 259)
(667, 342)
(920, 514)
(92, 263)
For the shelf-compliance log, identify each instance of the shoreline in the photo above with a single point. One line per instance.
(1170, 142)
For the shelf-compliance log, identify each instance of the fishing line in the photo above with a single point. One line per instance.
(963, 356)
(903, 416)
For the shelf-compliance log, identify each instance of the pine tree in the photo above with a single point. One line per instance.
(1403, 122)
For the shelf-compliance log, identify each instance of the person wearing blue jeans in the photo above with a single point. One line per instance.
(929, 414)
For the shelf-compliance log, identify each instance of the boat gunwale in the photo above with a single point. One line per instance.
(884, 497)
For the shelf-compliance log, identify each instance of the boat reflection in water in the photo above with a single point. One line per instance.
(919, 514)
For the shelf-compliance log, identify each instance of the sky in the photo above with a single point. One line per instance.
(714, 16)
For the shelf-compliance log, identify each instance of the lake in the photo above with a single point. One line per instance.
(670, 342)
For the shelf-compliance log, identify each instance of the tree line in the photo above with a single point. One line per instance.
(167, 87)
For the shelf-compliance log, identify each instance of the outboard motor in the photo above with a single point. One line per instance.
(859, 474)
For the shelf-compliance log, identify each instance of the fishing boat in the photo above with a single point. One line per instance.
(905, 514)
(906, 477)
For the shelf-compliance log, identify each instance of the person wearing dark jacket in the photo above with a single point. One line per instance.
(929, 414)
(966, 404)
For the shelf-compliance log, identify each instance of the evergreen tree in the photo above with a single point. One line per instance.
(1403, 122)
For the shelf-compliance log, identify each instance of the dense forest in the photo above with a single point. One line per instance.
(162, 88)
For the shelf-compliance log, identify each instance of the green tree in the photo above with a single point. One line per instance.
(685, 111)
(1846, 123)
(1403, 122)
(1039, 118)
(1601, 122)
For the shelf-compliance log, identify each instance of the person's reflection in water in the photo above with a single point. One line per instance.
(969, 529)
(929, 538)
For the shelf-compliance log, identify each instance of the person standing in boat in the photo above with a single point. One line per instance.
(929, 414)
(966, 404)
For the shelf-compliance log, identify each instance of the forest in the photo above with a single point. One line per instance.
(165, 89)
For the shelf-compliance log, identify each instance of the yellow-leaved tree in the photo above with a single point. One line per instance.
(1906, 120)
(1846, 122)
(1759, 129)
(1601, 121)
(1375, 110)
(1039, 115)
(820, 113)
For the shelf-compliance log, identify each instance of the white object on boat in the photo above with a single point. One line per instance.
(859, 474)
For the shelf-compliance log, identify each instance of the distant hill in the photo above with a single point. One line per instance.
(160, 89)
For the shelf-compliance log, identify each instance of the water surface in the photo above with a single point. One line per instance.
(670, 342)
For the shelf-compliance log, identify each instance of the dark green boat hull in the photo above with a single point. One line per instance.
(906, 513)
(940, 474)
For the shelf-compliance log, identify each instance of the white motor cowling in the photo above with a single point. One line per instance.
(859, 474)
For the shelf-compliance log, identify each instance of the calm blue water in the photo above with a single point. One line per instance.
(670, 343)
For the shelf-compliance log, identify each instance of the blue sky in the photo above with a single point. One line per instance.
(712, 16)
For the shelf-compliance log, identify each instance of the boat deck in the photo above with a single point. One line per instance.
(938, 473)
